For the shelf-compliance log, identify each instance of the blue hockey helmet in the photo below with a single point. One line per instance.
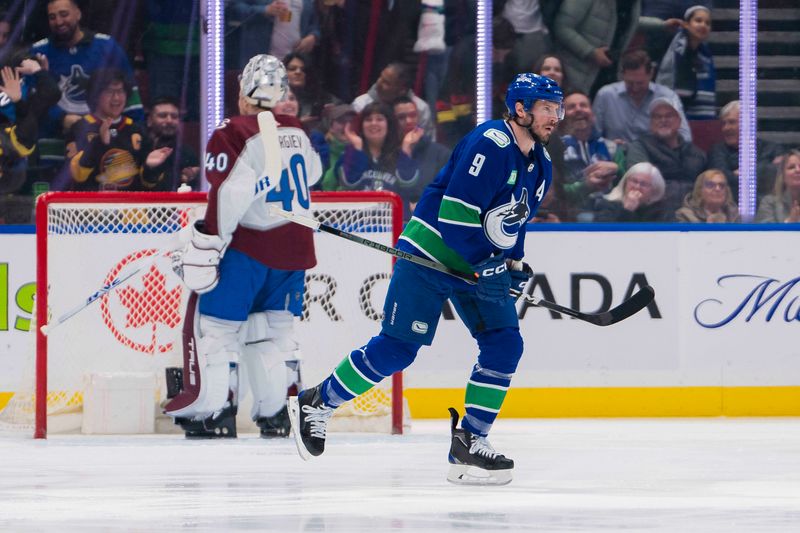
(528, 87)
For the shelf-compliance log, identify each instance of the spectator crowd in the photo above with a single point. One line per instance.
(104, 95)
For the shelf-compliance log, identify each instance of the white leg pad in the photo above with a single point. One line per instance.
(268, 378)
(270, 344)
(217, 347)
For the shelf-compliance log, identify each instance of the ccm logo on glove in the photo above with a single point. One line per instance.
(493, 271)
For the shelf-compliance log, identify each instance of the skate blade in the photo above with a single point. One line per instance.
(294, 419)
(472, 475)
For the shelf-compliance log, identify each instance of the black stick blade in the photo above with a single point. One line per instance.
(626, 309)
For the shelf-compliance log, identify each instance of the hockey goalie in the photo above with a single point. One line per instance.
(246, 267)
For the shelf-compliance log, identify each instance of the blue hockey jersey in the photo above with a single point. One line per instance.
(480, 201)
(72, 67)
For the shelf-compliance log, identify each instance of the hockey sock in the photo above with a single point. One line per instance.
(366, 367)
(352, 377)
(485, 393)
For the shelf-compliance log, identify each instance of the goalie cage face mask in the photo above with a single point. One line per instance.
(264, 82)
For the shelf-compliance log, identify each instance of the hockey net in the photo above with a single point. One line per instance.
(85, 241)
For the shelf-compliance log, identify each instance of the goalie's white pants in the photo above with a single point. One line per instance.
(271, 359)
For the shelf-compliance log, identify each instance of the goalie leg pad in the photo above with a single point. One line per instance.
(272, 360)
(268, 377)
(210, 345)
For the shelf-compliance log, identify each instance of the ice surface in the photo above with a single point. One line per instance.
(571, 475)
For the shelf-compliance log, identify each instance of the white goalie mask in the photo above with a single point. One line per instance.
(264, 82)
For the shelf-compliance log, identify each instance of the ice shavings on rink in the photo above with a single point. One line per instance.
(571, 475)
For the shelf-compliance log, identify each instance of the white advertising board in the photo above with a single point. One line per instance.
(725, 312)
(17, 288)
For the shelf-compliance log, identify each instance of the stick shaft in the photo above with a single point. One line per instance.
(629, 307)
(102, 291)
(399, 253)
(422, 261)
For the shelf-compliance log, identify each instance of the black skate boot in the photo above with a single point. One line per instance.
(473, 461)
(309, 418)
(275, 426)
(221, 425)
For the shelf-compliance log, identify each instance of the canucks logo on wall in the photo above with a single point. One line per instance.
(502, 224)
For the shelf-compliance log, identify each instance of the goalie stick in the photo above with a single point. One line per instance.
(145, 263)
(628, 308)
(105, 289)
(268, 128)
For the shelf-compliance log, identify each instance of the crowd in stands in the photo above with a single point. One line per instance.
(104, 96)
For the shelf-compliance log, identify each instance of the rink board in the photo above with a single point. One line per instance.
(719, 339)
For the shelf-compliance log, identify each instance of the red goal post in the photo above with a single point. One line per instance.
(77, 231)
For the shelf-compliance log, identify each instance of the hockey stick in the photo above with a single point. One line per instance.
(316, 225)
(102, 291)
(273, 164)
(628, 308)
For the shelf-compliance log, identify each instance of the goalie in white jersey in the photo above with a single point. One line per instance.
(245, 266)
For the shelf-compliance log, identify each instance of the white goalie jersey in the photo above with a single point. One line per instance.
(244, 180)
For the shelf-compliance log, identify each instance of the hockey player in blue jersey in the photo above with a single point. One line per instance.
(472, 219)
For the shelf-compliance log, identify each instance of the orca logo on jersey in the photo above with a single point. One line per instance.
(73, 92)
(502, 224)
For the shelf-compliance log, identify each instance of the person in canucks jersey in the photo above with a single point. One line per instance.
(472, 219)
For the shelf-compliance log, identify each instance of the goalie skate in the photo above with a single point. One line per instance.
(221, 425)
(309, 417)
(275, 426)
(473, 461)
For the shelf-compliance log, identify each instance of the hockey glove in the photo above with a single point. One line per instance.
(521, 272)
(198, 263)
(494, 281)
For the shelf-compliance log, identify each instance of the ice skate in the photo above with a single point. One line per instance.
(275, 426)
(221, 425)
(473, 461)
(309, 417)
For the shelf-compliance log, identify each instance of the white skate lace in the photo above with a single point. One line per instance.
(480, 446)
(317, 418)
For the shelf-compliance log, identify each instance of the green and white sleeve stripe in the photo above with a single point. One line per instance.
(458, 212)
(426, 239)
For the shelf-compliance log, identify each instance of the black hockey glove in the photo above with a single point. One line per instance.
(521, 272)
(494, 281)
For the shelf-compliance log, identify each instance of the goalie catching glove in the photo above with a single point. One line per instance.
(198, 262)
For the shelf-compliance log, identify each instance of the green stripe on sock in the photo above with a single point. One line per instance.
(349, 377)
(484, 396)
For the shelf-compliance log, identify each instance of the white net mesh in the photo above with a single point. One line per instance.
(136, 327)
